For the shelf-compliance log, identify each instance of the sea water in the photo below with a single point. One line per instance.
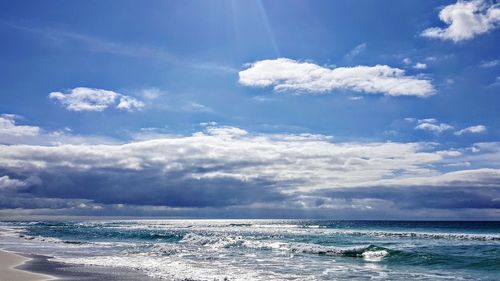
(269, 249)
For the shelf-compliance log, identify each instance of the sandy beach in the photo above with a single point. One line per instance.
(8, 271)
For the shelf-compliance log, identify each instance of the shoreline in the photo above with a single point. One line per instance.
(10, 268)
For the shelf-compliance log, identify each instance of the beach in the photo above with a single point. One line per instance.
(9, 271)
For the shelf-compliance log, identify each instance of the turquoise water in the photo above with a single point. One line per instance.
(270, 249)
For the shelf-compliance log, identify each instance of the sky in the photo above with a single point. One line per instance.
(250, 109)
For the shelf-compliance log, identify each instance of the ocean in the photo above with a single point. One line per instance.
(268, 249)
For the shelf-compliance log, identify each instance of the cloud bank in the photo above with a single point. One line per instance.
(465, 20)
(90, 99)
(290, 75)
(228, 167)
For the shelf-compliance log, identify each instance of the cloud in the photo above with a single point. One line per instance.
(6, 182)
(228, 153)
(417, 65)
(356, 98)
(465, 20)
(225, 167)
(420, 65)
(495, 83)
(445, 201)
(437, 128)
(13, 133)
(152, 93)
(90, 99)
(431, 124)
(129, 103)
(156, 98)
(473, 177)
(356, 50)
(290, 75)
(471, 130)
(223, 153)
(491, 63)
(196, 107)
(10, 130)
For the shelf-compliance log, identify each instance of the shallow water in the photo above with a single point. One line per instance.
(270, 249)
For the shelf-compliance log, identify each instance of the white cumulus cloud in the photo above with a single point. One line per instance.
(465, 20)
(91, 99)
(290, 75)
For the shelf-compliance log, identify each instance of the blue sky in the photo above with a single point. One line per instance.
(328, 109)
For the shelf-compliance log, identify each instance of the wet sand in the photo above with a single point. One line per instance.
(10, 271)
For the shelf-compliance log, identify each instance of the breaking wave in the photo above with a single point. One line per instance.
(370, 251)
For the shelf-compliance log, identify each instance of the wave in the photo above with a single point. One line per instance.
(379, 233)
(370, 252)
(336, 251)
(154, 250)
(213, 241)
(367, 252)
(49, 239)
(422, 235)
(97, 232)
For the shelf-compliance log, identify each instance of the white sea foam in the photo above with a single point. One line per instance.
(309, 248)
(10, 231)
(374, 255)
(212, 241)
(178, 268)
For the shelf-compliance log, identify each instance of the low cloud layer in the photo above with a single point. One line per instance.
(90, 99)
(227, 167)
(465, 20)
(290, 75)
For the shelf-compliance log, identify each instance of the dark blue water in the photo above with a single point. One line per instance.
(272, 249)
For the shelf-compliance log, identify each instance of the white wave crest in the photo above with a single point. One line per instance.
(212, 241)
